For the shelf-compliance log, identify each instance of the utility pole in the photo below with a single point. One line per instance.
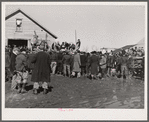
(75, 36)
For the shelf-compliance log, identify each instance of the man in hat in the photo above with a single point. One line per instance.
(21, 70)
(66, 60)
(41, 71)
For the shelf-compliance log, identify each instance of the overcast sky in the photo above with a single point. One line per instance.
(96, 25)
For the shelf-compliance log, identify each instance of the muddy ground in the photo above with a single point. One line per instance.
(80, 93)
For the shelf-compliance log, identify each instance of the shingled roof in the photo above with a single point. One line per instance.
(20, 11)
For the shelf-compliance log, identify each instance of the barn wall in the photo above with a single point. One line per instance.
(28, 28)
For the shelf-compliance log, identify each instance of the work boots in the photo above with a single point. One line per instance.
(45, 87)
(35, 91)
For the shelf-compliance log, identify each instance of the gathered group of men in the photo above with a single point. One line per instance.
(20, 63)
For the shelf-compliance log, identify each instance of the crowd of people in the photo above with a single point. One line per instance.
(20, 62)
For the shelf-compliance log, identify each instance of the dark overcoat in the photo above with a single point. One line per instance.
(21, 62)
(29, 61)
(41, 71)
(12, 62)
(7, 60)
(110, 61)
(94, 61)
(83, 60)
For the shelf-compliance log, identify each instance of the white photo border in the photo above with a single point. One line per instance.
(75, 114)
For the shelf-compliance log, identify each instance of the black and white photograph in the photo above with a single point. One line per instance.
(74, 60)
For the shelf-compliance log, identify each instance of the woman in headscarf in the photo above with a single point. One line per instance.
(41, 71)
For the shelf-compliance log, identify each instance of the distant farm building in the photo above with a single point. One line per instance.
(21, 29)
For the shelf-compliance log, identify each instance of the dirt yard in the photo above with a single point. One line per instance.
(80, 93)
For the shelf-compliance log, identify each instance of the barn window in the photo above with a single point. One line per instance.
(18, 25)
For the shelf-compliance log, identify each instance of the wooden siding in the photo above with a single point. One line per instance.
(28, 28)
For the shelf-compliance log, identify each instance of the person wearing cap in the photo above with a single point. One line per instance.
(21, 70)
(41, 71)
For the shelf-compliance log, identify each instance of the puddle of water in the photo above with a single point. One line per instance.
(114, 105)
(98, 104)
(85, 105)
(83, 102)
(13, 96)
(133, 102)
(22, 99)
(136, 99)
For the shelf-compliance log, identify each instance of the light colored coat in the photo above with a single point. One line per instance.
(103, 62)
(76, 63)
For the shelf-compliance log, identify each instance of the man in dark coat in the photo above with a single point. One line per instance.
(110, 63)
(118, 64)
(124, 68)
(83, 59)
(7, 65)
(88, 64)
(94, 61)
(59, 63)
(41, 71)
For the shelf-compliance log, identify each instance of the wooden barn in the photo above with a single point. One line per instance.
(21, 29)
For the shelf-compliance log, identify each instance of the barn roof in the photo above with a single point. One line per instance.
(20, 11)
